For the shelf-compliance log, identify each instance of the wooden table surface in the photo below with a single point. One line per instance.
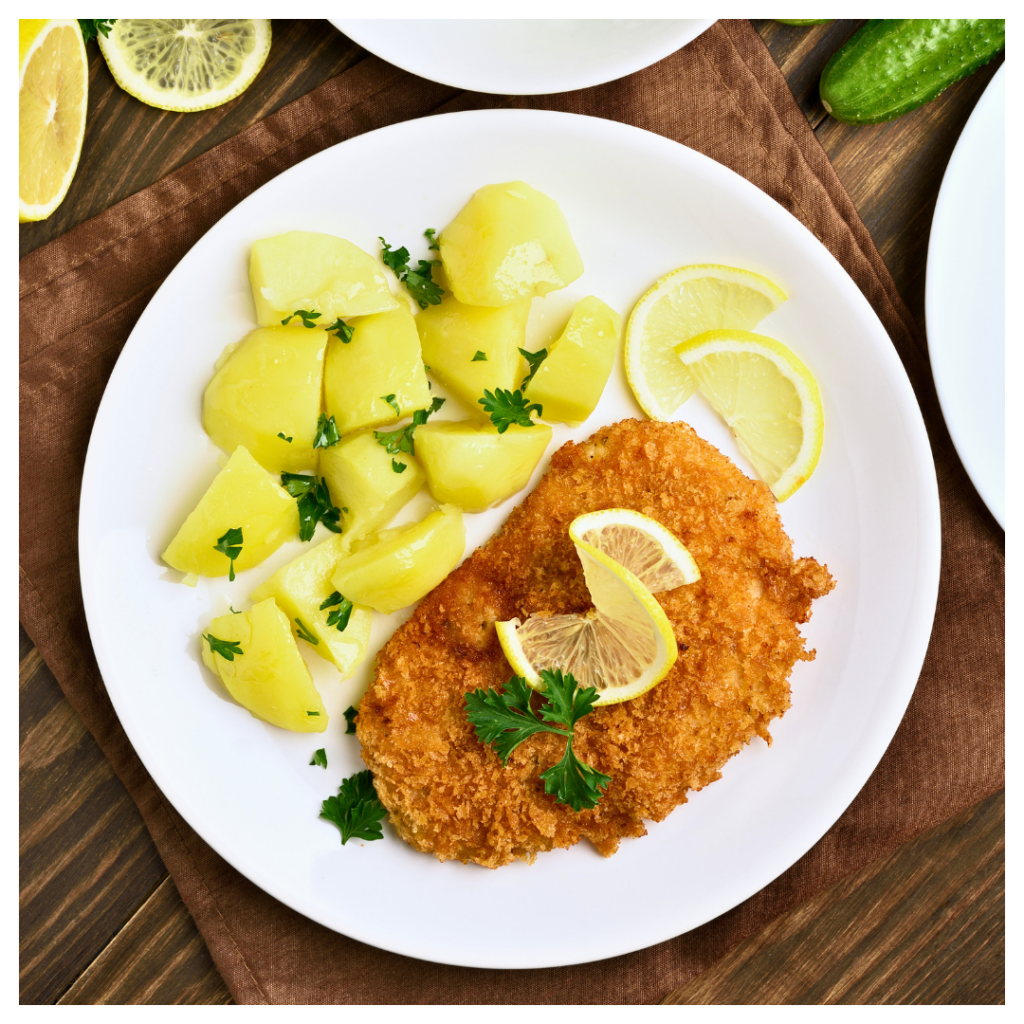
(101, 920)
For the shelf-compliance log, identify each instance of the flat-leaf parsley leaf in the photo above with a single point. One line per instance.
(315, 505)
(227, 649)
(508, 407)
(419, 282)
(320, 758)
(533, 359)
(342, 611)
(327, 433)
(304, 634)
(341, 330)
(480, 357)
(350, 719)
(92, 27)
(506, 719)
(231, 545)
(395, 441)
(307, 316)
(356, 810)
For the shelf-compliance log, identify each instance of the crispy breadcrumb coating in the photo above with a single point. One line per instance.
(448, 794)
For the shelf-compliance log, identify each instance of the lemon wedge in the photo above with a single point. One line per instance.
(186, 64)
(680, 305)
(626, 644)
(52, 95)
(769, 399)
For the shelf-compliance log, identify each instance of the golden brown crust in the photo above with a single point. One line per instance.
(449, 795)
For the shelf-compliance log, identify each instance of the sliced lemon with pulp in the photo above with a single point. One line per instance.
(769, 399)
(186, 64)
(52, 96)
(626, 644)
(679, 306)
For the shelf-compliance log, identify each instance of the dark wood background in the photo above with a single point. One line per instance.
(101, 920)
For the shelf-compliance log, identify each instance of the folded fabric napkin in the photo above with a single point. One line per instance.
(80, 297)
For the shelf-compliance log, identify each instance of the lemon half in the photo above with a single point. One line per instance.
(186, 64)
(680, 305)
(52, 96)
(626, 644)
(768, 398)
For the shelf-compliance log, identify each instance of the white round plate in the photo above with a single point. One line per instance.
(639, 205)
(965, 296)
(522, 57)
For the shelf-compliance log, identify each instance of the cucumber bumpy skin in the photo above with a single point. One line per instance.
(894, 65)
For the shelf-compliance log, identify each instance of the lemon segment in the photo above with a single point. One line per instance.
(769, 399)
(52, 98)
(186, 64)
(679, 306)
(640, 544)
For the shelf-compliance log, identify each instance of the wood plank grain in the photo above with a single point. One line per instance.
(158, 957)
(86, 859)
(923, 925)
(303, 54)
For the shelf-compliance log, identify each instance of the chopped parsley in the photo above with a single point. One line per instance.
(419, 283)
(534, 359)
(395, 441)
(304, 634)
(227, 649)
(350, 718)
(93, 27)
(231, 545)
(506, 719)
(429, 236)
(283, 438)
(313, 714)
(399, 467)
(390, 399)
(342, 611)
(327, 432)
(508, 407)
(307, 316)
(315, 505)
(480, 357)
(320, 758)
(341, 330)
(356, 810)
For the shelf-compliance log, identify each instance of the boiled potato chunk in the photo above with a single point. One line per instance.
(362, 478)
(452, 335)
(473, 466)
(570, 381)
(302, 586)
(269, 385)
(319, 273)
(401, 566)
(269, 678)
(383, 358)
(243, 495)
(509, 242)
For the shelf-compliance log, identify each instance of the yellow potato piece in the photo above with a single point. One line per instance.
(452, 334)
(570, 381)
(473, 466)
(383, 358)
(269, 678)
(243, 495)
(316, 272)
(362, 479)
(509, 242)
(269, 385)
(405, 564)
(302, 586)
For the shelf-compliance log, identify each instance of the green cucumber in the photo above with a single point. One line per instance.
(894, 65)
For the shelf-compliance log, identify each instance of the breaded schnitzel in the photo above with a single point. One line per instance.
(448, 794)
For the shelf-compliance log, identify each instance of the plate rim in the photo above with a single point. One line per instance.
(911, 656)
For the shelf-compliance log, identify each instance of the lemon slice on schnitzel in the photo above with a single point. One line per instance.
(625, 645)
(769, 399)
(679, 306)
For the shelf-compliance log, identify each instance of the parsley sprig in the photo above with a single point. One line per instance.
(356, 810)
(342, 611)
(341, 330)
(227, 649)
(533, 359)
(506, 719)
(327, 432)
(93, 27)
(419, 282)
(315, 505)
(231, 545)
(508, 407)
(307, 316)
(395, 441)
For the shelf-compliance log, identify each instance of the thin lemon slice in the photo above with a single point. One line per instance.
(679, 306)
(640, 544)
(769, 399)
(52, 97)
(622, 648)
(186, 64)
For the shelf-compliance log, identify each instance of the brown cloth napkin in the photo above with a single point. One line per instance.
(82, 293)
